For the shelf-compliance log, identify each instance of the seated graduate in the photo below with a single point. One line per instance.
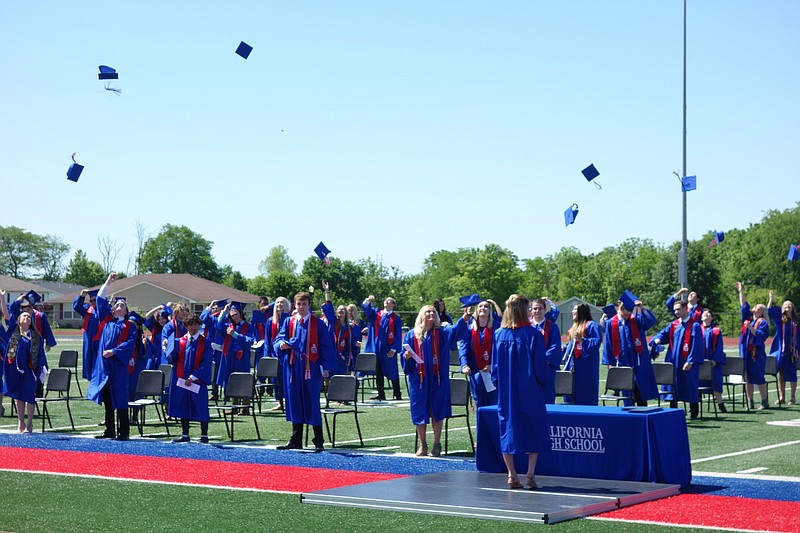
(188, 397)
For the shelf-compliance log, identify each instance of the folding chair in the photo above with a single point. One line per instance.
(455, 364)
(166, 369)
(771, 370)
(665, 375)
(58, 380)
(365, 365)
(240, 388)
(149, 389)
(459, 397)
(564, 383)
(733, 376)
(619, 379)
(342, 389)
(266, 369)
(69, 359)
(706, 374)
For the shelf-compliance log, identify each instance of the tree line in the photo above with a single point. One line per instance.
(756, 255)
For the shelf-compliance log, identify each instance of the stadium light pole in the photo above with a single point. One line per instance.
(683, 271)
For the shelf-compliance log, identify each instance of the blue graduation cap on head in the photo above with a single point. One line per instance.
(570, 214)
(628, 300)
(239, 306)
(93, 293)
(322, 251)
(609, 310)
(121, 299)
(107, 73)
(136, 317)
(33, 297)
(74, 170)
(470, 300)
(794, 252)
(244, 49)
(222, 303)
(166, 309)
(688, 183)
(655, 349)
(258, 317)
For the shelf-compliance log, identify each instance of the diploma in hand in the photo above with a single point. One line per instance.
(414, 356)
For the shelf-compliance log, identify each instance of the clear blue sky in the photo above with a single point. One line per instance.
(465, 123)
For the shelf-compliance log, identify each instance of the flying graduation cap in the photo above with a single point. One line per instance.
(107, 73)
(688, 183)
(719, 236)
(570, 214)
(33, 297)
(590, 173)
(244, 50)
(74, 171)
(794, 252)
(322, 252)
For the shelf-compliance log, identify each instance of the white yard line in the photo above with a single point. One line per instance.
(744, 452)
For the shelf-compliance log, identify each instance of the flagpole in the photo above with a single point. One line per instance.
(683, 274)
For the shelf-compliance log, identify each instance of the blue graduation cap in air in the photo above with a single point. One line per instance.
(74, 171)
(590, 172)
(470, 300)
(794, 252)
(609, 310)
(107, 73)
(166, 309)
(33, 297)
(719, 236)
(628, 300)
(244, 50)
(322, 251)
(570, 214)
(688, 183)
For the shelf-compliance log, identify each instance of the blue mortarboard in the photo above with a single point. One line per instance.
(322, 251)
(136, 317)
(628, 300)
(33, 297)
(590, 172)
(688, 183)
(239, 306)
(794, 253)
(259, 317)
(107, 73)
(167, 309)
(121, 299)
(470, 300)
(74, 170)
(244, 49)
(570, 214)
(222, 303)
(93, 293)
(609, 310)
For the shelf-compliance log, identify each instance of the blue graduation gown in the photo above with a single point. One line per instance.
(154, 349)
(755, 363)
(40, 323)
(553, 355)
(586, 368)
(714, 352)
(430, 395)
(269, 351)
(785, 344)
(641, 363)
(112, 370)
(184, 403)
(345, 360)
(137, 363)
(378, 343)
(301, 391)
(237, 357)
(695, 311)
(686, 382)
(466, 357)
(207, 317)
(169, 335)
(519, 370)
(20, 379)
(89, 352)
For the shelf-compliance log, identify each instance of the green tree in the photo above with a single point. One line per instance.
(277, 260)
(278, 283)
(83, 271)
(50, 257)
(179, 250)
(19, 251)
(233, 278)
(570, 270)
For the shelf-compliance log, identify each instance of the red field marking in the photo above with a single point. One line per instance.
(715, 511)
(184, 471)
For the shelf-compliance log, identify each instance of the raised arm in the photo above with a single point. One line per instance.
(742, 298)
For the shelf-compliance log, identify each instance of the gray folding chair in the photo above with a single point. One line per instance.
(564, 383)
(771, 371)
(733, 376)
(665, 375)
(239, 389)
(459, 397)
(618, 380)
(343, 389)
(706, 374)
(69, 359)
(266, 369)
(149, 388)
(58, 380)
(365, 365)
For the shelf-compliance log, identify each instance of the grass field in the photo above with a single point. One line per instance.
(728, 444)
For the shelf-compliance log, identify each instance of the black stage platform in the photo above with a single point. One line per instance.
(480, 495)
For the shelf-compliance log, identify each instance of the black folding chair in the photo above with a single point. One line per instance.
(733, 376)
(564, 383)
(618, 380)
(365, 365)
(149, 388)
(665, 375)
(706, 374)
(342, 389)
(69, 359)
(58, 380)
(239, 389)
(459, 397)
(266, 369)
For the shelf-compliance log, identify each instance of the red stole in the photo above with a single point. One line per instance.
(137, 348)
(312, 342)
(342, 335)
(227, 342)
(482, 348)
(274, 329)
(616, 342)
(86, 318)
(37, 322)
(715, 334)
(434, 336)
(687, 335)
(577, 347)
(260, 329)
(789, 337)
(751, 348)
(198, 357)
(390, 333)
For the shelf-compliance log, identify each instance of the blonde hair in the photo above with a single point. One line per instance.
(352, 312)
(474, 324)
(419, 325)
(516, 312)
(287, 307)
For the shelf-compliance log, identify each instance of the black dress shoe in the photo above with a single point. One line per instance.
(123, 437)
(290, 446)
(183, 439)
(380, 399)
(319, 449)
(203, 440)
(398, 397)
(105, 436)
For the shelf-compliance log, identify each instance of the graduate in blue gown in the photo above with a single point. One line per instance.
(685, 352)
(359, 330)
(520, 373)
(154, 321)
(239, 336)
(752, 344)
(475, 351)
(280, 312)
(109, 384)
(88, 311)
(191, 359)
(695, 308)
(384, 339)
(714, 356)
(344, 338)
(6, 316)
(40, 323)
(582, 357)
(138, 361)
(552, 341)
(23, 368)
(173, 329)
(625, 344)
(429, 378)
(210, 315)
(305, 348)
(785, 346)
